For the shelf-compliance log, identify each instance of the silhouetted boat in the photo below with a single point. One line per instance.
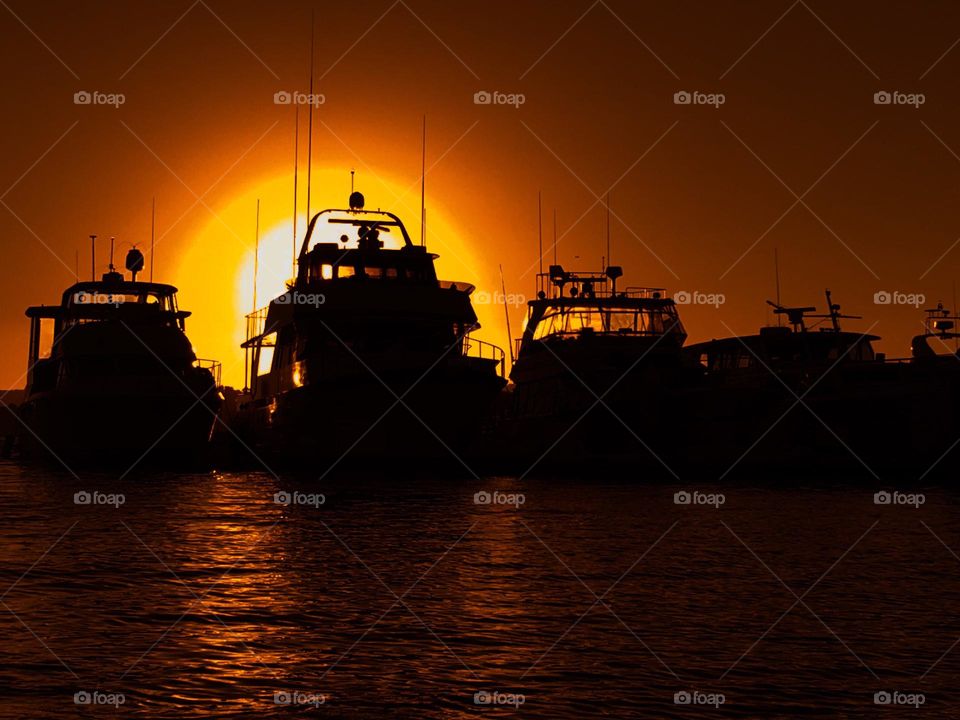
(593, 375)
(804, 395)
(367, 356)
(113, 378)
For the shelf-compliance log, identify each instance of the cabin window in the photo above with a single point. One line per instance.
(326, 271)
(346, 271)
(265, 361)
(390, 273)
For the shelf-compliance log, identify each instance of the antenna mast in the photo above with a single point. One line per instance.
(256, 257)
(153, 234)
(296, 169)
(76, 265)
(609, 261)
(776, 270)
(554, 236)
(423, 186)
(93, 258)
(310, 112)
(506, 312)
(539, 236)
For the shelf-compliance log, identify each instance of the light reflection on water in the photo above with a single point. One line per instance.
(199, 595)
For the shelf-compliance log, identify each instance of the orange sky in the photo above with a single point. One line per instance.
(701, 195)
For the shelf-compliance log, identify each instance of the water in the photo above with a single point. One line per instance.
(200, 596)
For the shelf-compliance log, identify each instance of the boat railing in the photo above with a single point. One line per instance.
(472, 347)
(257, 323)
(214, 366)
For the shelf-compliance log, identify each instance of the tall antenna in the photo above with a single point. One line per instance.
(554, 236)
(423, 185)
(153, 234)
(93, 258)
(776, 270)
(506, 311)
(256, 257)
(609, 260)
(112, 242)
(76, 265)
(310, 113)
(540, 231)
(296, 169)
(352, 171)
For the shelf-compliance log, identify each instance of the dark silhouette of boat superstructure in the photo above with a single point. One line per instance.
(594, 371)
(368, 355)
(813, 394)
(113, 377)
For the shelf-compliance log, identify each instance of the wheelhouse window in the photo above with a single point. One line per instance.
(572, 321)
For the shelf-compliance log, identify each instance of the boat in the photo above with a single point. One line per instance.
(809, 393)
(593, 374)
(368, 356)
(113, 378)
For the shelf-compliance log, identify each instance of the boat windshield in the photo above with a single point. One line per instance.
(561, 322)
(109, 298)
(347, 229)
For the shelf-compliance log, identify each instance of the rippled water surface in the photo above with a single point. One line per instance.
(201, 596)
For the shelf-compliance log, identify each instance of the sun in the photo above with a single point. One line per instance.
(216, 271)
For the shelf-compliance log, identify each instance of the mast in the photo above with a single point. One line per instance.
(153, 234)
(539, 239)
(423, 185)
(310, 113)
(93, 258)
(296, 168)
(609, 260)
(554, 236)
(256, 256)
(506, 312)
(776, 271)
